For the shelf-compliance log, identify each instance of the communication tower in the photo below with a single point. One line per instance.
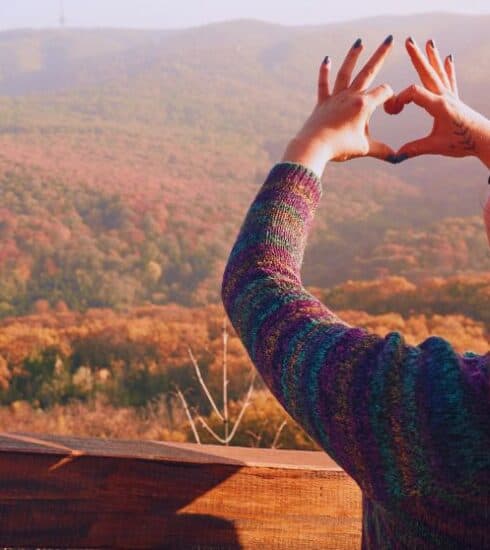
(62, 14)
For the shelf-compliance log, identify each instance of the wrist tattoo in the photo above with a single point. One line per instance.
(463, 131)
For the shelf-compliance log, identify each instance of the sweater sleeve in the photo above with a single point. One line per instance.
(399, 419)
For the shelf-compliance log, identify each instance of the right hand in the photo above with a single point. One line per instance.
(458, 130)
(338, 127)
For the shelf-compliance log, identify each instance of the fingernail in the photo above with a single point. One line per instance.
(396, 159)
(357, 43)
(431, 43)
(410, 40)
(450, 57)
(326, 60)
(389, 39)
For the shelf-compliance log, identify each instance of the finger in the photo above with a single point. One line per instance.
(435, 61)
(427, 74)
(323, 80)
(425, 146)
(368, 73)
(380, 150)
(345, 72)
(418, 95)
(451, 73)
(392, 106)
(380, 94)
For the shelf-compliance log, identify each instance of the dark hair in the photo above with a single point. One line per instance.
(486, 206)
(486, 215)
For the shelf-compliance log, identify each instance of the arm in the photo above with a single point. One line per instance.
(388, 413)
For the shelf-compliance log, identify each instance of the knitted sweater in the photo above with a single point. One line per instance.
(410, 424)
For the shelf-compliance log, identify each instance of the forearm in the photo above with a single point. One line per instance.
(482, 139)
(477, 136)
(309, 153)
(272, 238)
(262, 276)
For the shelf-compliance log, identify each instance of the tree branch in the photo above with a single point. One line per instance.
(278, 433)
(198, 371)
(193, 426)
(245, 405)
(210, 430)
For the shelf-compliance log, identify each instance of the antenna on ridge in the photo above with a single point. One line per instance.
(62, 14)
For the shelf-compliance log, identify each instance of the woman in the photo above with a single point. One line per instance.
(410, 424)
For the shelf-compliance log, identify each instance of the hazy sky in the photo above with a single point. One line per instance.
(190, 13)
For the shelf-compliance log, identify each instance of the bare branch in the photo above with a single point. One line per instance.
(255, 436)
(193, 426)
(237, 422)
(247, 399)
(210, 430)
(245, 405)
(278, 433)
(225, 379)
(198, 371)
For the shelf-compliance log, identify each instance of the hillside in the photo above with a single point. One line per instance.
(128, 160)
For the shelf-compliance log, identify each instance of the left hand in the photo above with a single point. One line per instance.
(338, 127)
(458, 130)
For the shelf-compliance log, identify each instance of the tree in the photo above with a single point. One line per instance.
(228, 435)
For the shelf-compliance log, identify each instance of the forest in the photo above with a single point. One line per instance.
(61, 369)
(128, 160)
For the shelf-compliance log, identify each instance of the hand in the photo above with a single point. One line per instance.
(338, 127)
(458, 130)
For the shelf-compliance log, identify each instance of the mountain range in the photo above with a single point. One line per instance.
(128, 159)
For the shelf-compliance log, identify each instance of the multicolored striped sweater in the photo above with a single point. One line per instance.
(410, 424)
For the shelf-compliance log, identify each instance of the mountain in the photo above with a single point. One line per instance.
(128, 160)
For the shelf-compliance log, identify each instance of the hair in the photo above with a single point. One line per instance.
(486, 216)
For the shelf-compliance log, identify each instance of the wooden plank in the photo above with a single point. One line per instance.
(166, 450)
(72, 492)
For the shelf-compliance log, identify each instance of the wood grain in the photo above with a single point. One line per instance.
(67, 492)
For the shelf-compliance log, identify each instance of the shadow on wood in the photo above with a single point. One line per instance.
(67, 492)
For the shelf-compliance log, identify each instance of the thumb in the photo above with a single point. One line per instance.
(381, 94)
(413, 94)
(380, 150)
(425, 146)
(392, 106)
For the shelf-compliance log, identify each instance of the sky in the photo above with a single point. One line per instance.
(165, 14)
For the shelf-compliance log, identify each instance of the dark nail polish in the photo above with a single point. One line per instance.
(357, 43)
(451, 58)
(326, 60)
(396, 159)
(431, 44)
(389, 39)
(410, 39)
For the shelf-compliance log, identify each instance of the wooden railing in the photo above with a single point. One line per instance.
(68, 492)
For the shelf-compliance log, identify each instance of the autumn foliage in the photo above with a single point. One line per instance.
(128, 160)
(64, 367)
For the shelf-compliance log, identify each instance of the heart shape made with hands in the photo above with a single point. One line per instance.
(401, 143)
(438, 96)
(338, 127)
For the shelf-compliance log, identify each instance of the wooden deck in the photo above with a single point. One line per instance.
(68, 492)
